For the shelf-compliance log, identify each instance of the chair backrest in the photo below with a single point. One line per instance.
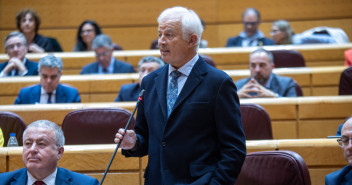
(256, 122)
(345, 86)
(12, 123)
(94, 126)
(298, 88)
(288, 58)
(274, 168)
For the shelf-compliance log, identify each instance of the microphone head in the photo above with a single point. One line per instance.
(141, 94)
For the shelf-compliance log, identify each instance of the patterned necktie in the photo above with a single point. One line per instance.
(172, 91)
(39, 183)
(49, 98)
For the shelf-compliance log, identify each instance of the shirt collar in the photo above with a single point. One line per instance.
(49, 180)
(187, 68)
(42, 91)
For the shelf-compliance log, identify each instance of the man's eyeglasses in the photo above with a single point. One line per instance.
(250, 23)
(106, 53)
(12, 46)
(344, 141)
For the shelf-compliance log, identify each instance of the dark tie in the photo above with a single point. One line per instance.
(49, 98)
(105, 70)
(39, 183)
(172, 91)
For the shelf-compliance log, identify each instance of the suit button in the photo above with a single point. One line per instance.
(163, 143)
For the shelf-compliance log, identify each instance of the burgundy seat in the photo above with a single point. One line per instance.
(345, 86)
(12, 123)
(298, 88)
(288, 58)
(94, 126)
(274, 168)
(256, 122)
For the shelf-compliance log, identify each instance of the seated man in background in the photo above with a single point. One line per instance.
(106, 63)
(17, 65)
(146, 65)
(49, 90)
(343, 176)
(262, 82)
(43, 147)
(250, 36)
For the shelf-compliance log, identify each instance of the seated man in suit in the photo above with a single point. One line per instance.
(262, 82)
(49, 90)
(43, 147)
(16, 48)
(106, 63)
(343, 176)
(250, 36)
(146, 65)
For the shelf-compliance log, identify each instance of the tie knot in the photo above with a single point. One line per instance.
(39, 183)
(175, 74)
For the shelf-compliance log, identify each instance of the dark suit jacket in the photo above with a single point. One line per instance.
(32, 67)
(338, 177)
(282, 85)
(63, 177)
(119, 67)
(129, 92)
(202, 142)
(64, 94)
(237, 41)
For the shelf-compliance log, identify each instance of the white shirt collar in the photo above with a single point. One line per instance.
(186, 68)
(49, 180)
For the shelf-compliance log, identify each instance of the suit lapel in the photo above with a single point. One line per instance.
(21, 178)
(161, 86)
(62, 177)
(194, 79)
(35, 96)
(60, 96)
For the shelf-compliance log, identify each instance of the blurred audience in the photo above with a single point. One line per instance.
(106, 63)
(86, 33)
(262, 82)
(49, 90)
(348, 57)
(282, 33)
(146, 65)
(28, 23)
(17, 65)
(251, 35)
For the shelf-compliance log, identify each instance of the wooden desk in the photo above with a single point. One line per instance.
(291, 118)
(322, 156)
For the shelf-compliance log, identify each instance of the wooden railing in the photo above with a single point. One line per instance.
(322, 157)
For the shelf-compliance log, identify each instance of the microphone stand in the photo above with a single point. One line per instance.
(140, 98)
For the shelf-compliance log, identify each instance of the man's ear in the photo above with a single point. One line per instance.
(192, 40)
(60, 152)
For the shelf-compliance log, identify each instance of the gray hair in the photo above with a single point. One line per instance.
(16, 34)
(150, 59)
(101, 41)
(285, 27)
(251, 10)
(262, 50)
(59, 135)
(50, 61)
(191, 23)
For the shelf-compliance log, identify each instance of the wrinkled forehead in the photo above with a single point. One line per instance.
(347, 128)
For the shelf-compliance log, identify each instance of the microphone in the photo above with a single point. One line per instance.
(140, 98)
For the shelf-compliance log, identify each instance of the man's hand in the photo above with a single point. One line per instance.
(129, 138)
(14, 63)
(254, 90)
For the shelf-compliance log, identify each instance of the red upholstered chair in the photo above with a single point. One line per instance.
(12, 123)
(345, 86)
(94, 126)
(274, 168)
(288, 58)
(256, 122)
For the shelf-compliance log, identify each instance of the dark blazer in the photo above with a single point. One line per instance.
(63, 177)
(202, 142)
(282, 85)
(64, 94)
(340, 177)
(237, 41)
(32, 67)
(128, 92)
(119, 67)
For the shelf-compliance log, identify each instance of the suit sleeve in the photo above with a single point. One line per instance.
(291, 90)
(230, 134)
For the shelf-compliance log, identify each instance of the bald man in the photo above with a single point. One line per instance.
(343, 176)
